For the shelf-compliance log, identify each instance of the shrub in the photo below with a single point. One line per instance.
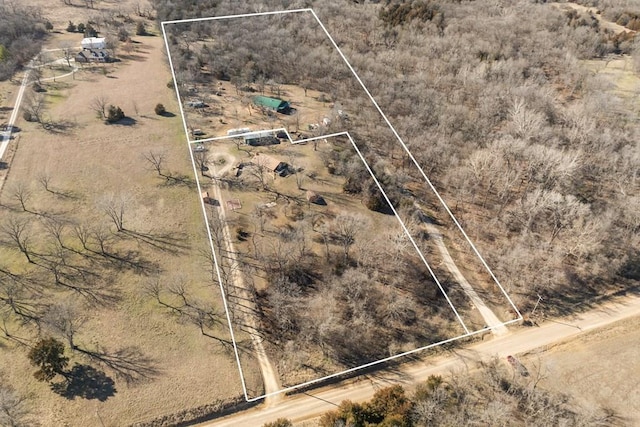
(89, 31)
(280, 422)
(140, 29)
(123, 34)
(375, 201)
(28, 116)
(241, 234)
(81, 28)
(352, 185)
(71, 27)
(48, 26)
(114, 114)
(160, 110)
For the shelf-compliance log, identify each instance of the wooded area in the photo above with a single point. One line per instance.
(492, 396)
(535, 155)
(20, 34)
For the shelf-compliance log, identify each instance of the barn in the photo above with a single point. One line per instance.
(273, 104)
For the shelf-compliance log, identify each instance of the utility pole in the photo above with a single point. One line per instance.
(536, 306)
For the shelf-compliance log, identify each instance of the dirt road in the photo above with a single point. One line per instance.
(247, 309)
(6, 135)
(306, 406)
(490, 319)
(595, 13)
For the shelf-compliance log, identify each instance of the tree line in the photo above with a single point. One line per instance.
(492, 395)
(21, 31)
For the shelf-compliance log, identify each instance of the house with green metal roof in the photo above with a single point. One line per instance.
(273, 104)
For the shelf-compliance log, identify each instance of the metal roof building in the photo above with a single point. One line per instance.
(274, 104)
(94, 43)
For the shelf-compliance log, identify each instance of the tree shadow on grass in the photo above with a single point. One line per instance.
(179, 179)
(125, 121)
(86, 382)
(129, 363)
(60, 127)
(130, 260)
(174, 243)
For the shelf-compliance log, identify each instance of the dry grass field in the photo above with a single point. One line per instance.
(598, 369)
(175, 368)
(60, 14)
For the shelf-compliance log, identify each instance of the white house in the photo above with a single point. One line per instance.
(94, 43)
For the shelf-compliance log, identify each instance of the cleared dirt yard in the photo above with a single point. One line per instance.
(234, 109)
(165, 239)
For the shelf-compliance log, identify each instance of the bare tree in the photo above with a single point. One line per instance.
(18, 230)
(345, 228)
(18, 299)
(14, 409)
(83, 234)
(99, 105)
(102, 237)
(201, 159)
(56, 229)
(67, 51)
(156, 160)
(66, 319)
(260, 171)
(34, 107)
(44, 178)
(115, 206)
(525, 121)
(22, 193)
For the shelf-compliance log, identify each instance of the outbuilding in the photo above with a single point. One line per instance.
(315, 198)
(94, 43)
(273, 104)
(256, 139)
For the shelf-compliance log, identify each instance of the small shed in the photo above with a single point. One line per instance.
(273, 104)
(94, 43)
(208, 200)
(315, 198)
(271, 164)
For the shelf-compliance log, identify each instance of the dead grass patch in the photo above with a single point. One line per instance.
(164, 234)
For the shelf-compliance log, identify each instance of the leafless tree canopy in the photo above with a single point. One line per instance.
(534, 155)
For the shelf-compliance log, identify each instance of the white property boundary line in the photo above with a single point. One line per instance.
(410, 155)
